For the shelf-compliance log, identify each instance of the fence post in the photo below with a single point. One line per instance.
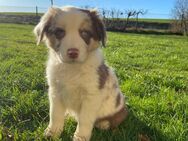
(36, 11)
(52, 3)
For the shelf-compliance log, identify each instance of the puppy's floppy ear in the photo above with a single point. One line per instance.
(45, 23)
(98, 27)
(39, 32)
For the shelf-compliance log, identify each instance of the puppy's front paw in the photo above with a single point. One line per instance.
(78, 138)
(104, 125)
(49, 132)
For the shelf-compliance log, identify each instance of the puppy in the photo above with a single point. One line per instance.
(79, 80)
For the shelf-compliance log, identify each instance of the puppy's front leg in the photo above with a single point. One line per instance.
(57, 112)
(86, 119)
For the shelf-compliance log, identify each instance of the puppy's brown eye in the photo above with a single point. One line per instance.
(59, 33)
(86, 35)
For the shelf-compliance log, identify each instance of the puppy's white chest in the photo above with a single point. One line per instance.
(73, 97)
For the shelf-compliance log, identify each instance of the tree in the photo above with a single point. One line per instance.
(104, 13)
(118, 13)
(112, 13)
(139, 12)
(180, 14)
(129, 13)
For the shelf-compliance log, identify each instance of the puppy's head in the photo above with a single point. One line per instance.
(72, 33)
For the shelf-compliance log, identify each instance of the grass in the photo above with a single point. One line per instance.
(152, 71)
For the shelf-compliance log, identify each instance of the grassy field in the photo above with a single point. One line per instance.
(152, 71)
(154, 20)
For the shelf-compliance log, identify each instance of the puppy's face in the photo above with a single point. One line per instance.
(72, 33)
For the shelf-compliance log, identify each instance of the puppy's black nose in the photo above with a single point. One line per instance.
(72, 53)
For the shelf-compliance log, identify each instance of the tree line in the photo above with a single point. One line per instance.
(180, 16)
(116, 14)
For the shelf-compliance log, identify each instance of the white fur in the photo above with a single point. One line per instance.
(74, 87)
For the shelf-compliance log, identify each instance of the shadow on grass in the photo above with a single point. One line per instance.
(132, 129)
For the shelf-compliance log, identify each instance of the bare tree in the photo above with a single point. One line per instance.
(118, 13)
(129, 13)
(180, 14)
(107, 13)
(139, 12)
(112, 13)
(103, 12)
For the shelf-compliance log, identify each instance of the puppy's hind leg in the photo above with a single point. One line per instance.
(57, 113)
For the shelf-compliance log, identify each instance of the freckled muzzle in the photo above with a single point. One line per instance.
(72, 53)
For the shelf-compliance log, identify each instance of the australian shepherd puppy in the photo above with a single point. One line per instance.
(79, 80)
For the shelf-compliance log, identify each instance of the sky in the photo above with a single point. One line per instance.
(155, 8)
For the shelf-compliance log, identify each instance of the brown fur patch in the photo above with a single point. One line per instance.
(115, 85)
(98, 28)
(86, 35)
(103, 75)
(115, 119)
(118, 98)
(48, 20)
(47, 27)
(43, 30)
(54, 34)
(54, 37)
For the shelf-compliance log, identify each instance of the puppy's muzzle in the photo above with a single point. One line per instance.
(73, 53)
